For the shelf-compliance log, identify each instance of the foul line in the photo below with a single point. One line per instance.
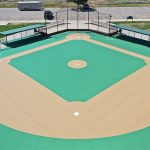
(33, 50)
(146, 59)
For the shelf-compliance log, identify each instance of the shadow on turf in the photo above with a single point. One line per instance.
(133, 40)
(26, 41)
(37, 38)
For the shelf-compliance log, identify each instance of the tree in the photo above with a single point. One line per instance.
(80, 2)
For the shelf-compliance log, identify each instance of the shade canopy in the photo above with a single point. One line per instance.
(30, 27)
(145, 32)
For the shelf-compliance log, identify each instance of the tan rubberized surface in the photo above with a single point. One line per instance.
(77, 64)
(28, 106)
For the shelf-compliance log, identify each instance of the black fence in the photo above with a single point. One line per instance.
(70, 19)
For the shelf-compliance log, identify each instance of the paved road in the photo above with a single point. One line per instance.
(12, 14)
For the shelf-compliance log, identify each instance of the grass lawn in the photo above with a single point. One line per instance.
(95, 3)
(13, 26)
(141, 25)
(123, 5)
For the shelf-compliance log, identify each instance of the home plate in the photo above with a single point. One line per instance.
(76, 114)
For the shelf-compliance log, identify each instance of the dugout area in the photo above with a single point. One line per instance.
(106, 92)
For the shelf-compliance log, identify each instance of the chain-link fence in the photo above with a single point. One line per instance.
(67, 19)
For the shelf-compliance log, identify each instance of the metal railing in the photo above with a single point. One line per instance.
(67, 19)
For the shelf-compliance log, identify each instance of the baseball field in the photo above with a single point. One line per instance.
(73, 91)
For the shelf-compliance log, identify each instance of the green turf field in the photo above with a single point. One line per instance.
(105, 68)
(28, 43)
(14, 140)
(127, 43)
(11, 139)
(131, 44)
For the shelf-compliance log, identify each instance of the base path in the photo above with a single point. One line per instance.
(32, 108)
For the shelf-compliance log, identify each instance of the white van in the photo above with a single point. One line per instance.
(30, 5)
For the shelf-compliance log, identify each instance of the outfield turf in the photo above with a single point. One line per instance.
(105, 68)
(14, 140)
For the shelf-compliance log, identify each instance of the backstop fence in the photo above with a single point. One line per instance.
(68, 19)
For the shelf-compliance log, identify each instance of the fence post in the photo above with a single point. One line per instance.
(67, 16)
(98, 22)
(0, 44)
(57, 21)
(78, 18)
(88, 19)
(46, 26)
(109, 24)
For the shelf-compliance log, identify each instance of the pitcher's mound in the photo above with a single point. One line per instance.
(77, 64)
